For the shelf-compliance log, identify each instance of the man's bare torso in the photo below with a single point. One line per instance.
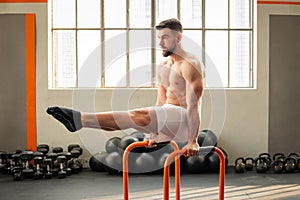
(172, 80)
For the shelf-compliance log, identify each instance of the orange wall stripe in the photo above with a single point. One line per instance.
(23, 1)
(279, 2)
(30, 82)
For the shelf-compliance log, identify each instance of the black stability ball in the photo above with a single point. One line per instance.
(127, 140)
(197, 164)
(139, 135)
(97, 162)
(213, 162)
(146, 163)
(207, 138)
(113, 144)
(113, 163)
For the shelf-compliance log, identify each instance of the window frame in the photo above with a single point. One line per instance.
(127, 29)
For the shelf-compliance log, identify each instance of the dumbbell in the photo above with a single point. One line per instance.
(54, 165)
(80, 153)
(72, 146)
(3, 161)
(48, 163)
(75, 164)
(44, 148)
(15, 160)
(9, 163)
(62, 173)
(16, 173)
(38, 160)
(57, 150)
(68, 158)
(26, 157)
(16, 167)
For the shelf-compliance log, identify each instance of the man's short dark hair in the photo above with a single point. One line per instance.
(173, 24)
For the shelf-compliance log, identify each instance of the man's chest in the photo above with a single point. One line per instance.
(171, 76)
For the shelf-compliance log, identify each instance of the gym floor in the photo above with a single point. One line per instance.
(89, 185)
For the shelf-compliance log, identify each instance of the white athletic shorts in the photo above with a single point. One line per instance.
(171, 124)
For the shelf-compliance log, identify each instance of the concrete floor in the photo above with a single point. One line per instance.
(90, 185)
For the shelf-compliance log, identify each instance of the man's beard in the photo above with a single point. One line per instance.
(168, 52)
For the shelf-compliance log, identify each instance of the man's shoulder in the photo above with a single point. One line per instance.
(192, 59)
(192, 63)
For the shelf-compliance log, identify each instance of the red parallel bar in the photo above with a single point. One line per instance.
(168, 161)
(125, 164)
(182, 152)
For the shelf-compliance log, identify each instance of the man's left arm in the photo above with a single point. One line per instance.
(194, 91)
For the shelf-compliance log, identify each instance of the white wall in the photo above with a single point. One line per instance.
(245, 131)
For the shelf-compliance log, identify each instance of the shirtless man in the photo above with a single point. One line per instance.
(176, 114)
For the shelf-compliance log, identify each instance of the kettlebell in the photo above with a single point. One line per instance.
(278, 166)
(298, 164)
(249, 162)
(276, 156)
(239, 165)
(290, 164)
(294, 155)
(268, 159)
(261, 164)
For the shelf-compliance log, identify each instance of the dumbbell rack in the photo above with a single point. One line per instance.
(176, 153)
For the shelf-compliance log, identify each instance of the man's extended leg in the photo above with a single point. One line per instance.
(141, 119)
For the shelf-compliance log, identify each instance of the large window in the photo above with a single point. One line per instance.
(112, 43)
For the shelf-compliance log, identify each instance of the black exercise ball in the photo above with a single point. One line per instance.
(113, 144)
(181, 144)
(210, 138)
(196, 164)
(139, 135)
(113, 163)
(145, 163)
(213, 162)
(162, 161)
(201, 137)
(97, 162)
(127, 140)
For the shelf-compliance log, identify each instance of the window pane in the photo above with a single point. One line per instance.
(192, 42)
(165, 9)
(140, 58)
(191, 13)
(140, 13)
(64, 58)
(240, 58)
(89, 58)
(216, 13)
(216, 59)
(115, 58)
(64, 14)
(240, 14)
(115, 13)
(88, 13)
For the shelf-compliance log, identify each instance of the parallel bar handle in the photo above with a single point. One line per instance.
(183, 152)
(125, 161)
